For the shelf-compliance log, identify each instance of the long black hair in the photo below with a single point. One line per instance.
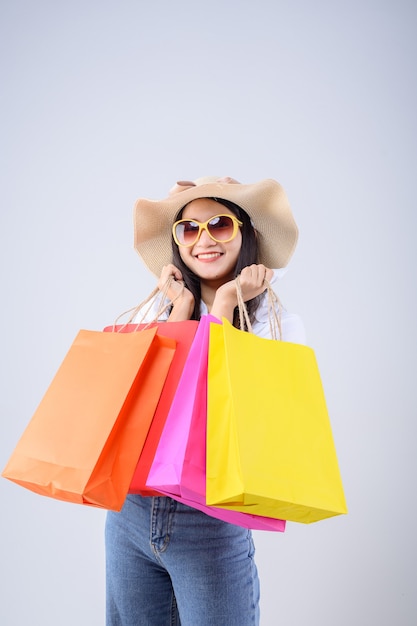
(248, 255)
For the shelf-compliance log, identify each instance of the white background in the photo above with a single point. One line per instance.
(102, 102)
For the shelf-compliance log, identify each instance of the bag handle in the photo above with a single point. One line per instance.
(162, 307)
(243, 311)
(274, 310)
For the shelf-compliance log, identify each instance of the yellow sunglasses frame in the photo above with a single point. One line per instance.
(204, 226)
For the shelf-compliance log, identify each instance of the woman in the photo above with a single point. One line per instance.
(169, 564)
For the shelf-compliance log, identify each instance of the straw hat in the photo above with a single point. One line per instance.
(265, 202)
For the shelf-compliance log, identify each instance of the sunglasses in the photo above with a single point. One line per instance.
(221, 228)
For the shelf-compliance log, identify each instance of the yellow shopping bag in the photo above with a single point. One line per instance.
(270, 448)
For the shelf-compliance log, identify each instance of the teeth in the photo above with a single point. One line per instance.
(208, 255)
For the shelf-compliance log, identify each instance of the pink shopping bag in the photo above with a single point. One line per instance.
(179, 466)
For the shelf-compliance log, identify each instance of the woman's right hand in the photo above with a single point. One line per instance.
(181, 297)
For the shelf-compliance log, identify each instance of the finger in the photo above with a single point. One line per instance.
(171, 270)
(257, 272)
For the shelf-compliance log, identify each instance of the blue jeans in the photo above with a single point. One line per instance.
(170, 565)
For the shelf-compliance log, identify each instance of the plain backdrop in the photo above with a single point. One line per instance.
(102, 102)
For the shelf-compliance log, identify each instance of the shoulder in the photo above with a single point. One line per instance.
(292, 327)
(291, 323)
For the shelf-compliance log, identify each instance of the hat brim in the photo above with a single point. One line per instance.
(265, 202)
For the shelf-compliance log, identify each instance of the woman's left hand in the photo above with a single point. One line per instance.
(252, 280)
(252, 284)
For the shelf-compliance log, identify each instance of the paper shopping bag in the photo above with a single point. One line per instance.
(269, 442)
(165, 472)
(84, 440)
(183, 333)
(179, 467)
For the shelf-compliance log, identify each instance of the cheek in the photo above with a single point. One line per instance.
(184, 253)
(237, 244)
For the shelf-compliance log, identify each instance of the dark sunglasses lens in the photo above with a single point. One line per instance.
(221, 227)
(187, 232)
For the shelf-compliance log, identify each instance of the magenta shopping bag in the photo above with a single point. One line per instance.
(179, 466)
(166, 469)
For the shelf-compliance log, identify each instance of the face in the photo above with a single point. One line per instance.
(210, 260)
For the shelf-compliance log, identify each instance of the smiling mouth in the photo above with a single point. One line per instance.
(208, 255)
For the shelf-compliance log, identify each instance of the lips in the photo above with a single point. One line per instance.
(208, 256)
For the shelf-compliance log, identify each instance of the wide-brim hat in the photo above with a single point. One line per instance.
(265, 202)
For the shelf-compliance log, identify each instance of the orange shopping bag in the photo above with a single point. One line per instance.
(84, 440)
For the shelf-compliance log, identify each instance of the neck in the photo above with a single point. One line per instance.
(209, 290)
(208, 293)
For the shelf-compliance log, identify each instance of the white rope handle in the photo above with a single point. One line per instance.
(274, 310)
(162, 306)
(243, 311)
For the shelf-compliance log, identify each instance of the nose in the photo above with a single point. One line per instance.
(205, 238)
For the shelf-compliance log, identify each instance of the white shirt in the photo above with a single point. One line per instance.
(291, 324)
